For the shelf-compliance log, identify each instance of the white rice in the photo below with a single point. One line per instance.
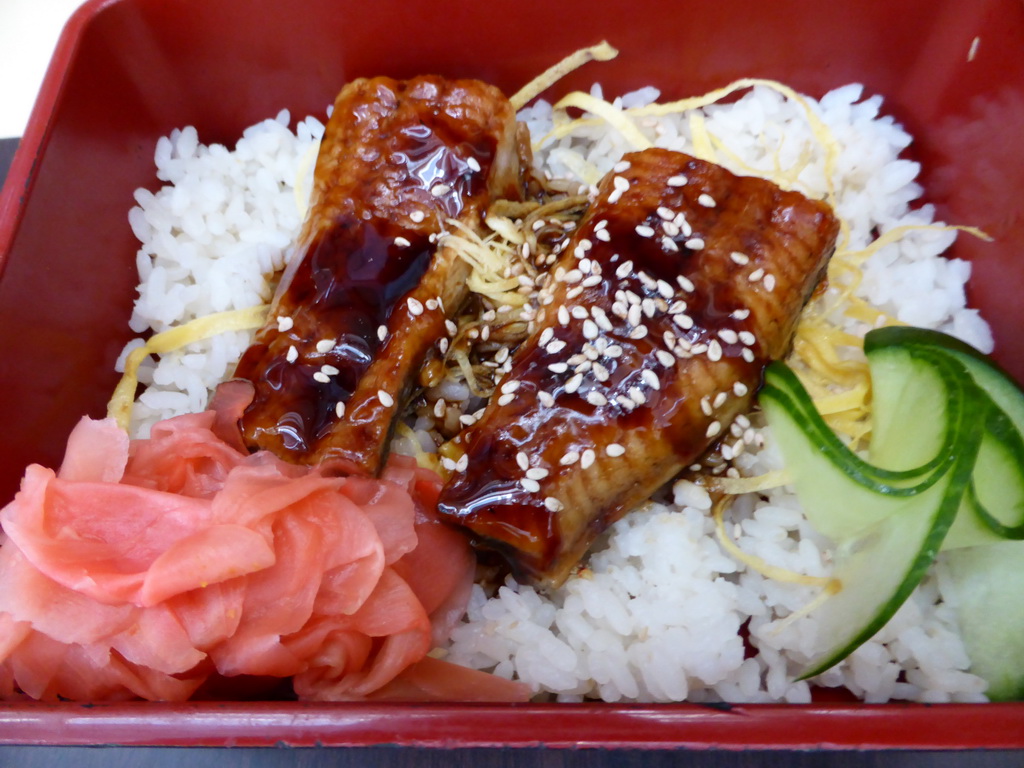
(659, 613)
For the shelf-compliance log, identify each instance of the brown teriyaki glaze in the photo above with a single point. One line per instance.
(680, 284)
(365, 299)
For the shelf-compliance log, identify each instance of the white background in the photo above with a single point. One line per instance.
(28, 33)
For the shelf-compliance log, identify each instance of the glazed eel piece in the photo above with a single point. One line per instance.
(366, 298)
(680, 284)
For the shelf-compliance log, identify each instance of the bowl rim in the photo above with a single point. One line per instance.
(831, 727)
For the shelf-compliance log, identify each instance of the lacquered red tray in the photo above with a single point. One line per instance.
(127, 71)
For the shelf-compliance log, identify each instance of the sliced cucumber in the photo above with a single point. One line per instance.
(997, 384)
(946, 469)
(993, 507)
(842, 494)
(878, 569)
(987, 592)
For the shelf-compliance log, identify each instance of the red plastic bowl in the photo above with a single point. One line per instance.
(128, 71)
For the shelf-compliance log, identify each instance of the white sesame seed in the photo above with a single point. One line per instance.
(635, 315)
(473, 164)
(624, 269)
(727, 452)
(506, 399)
(587, 458)
(705, 405)
(739, 258)
(284, 323)
(756, 275)
(325, 345)
(321, 377)
(292, 355)
(523, 460)
(677, 181)
(603, 236)
(329, 370)
(714, 350)
(591, 281)
(440, 189)
(684, 321)
(668, 244)
(769, 282)
(685, 283)
(530, 486)
(432, 304)
(572, 293)
(417, 216)
(401, 242)
(665, 289)
(468, 419)
(747, 354)
(442, 345)
(439, 408)
(570, 457)
(449, 326)
(579, 312)
(621, 166)
(625, 402)
(620, 183)
(553, 504)
(563, 315)
(665, 358)
(613, 351)
(600, 372)
(590, 329)
(555, 347)
(339, 409)
(694, 243)
(644, 231)
(706, 200)
(448, 464)
(740, 314)
(713, 429)
(574, 383)
(638, 333)
(614, 450)
(545, 336)
(728, 335)
(596, 398)
(537, 473)
(650, 378)
(637, 396)
(385, 399)
(739, 389)
(509, 387)
(558, 367)
(463, 463)
(546, 399)
(747, 338)
(720, 399)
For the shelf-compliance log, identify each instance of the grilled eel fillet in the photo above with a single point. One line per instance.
(366, 298)
(681, 283)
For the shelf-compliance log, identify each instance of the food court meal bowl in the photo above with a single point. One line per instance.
(128, 71)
